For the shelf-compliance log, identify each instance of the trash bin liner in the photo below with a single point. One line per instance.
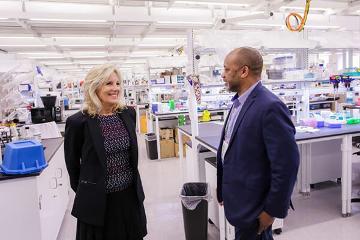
(194, 198)
(193, 193)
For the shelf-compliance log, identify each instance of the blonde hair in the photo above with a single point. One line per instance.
(95, 79)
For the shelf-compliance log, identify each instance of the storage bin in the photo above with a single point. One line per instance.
(143, 124)
(23, 157)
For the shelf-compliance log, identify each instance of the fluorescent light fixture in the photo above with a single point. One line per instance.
(4, 18)
(214, 3)
(82, 45)
(38, 53)
(156, 45)
(82, 53)
(67, 68)
(164, 38)
(22, 45)
(59, 63)
(46, 57)
(74, 70)
(92, 56)
(67, 20)
(146, 52)
(16, 37)
(145, 55)
(78, 37)
(92, 63)
(321, 27)
(87, 65)
(259, 24)
(283, 25)
(302, 8)
(185, 22)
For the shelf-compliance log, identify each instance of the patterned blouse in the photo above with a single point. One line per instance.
(119, 173)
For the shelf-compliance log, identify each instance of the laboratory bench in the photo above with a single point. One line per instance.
(50, 147)
(33, 207)
(320, 154)
(172, 116)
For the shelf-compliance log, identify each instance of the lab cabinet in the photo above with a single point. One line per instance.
(34, 207)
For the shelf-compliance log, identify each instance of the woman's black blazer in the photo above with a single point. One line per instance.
(85, 162)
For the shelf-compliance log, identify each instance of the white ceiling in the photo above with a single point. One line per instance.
(73, 35)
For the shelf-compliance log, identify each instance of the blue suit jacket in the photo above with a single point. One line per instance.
(261, 163)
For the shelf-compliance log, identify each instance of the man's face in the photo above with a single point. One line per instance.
(232, 74)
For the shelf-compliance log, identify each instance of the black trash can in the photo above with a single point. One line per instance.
(194, 198)
(151, 146)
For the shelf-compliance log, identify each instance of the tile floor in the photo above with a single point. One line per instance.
(317, 217)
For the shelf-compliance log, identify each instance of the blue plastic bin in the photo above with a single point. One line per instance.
(23, 157)
(154, 107)
(334, 125)
(320, 124)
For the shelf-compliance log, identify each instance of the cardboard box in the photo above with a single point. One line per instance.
(176, 134)
(167, 148)
(184, 137)
(166, 133)
(177, 150)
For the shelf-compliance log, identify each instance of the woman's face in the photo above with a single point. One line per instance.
(109, 93)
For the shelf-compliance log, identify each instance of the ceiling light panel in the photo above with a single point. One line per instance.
(82, 45)
(39, 53)
(79, 37)
(302, 8)
(164, 38)
(68, 20)
(156, 45)
(214, 3)
(59, 63)
(67, 68)
(89, 56)
(17, 37)
(45, 57)
(22, 45)
(86, 53)
(185, 22)
(91, 63)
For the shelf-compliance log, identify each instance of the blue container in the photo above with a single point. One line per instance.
(334, 125)
(320, 124)
(154, 107)
(23, 157)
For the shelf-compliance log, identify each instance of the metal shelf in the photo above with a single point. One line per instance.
(166, 85)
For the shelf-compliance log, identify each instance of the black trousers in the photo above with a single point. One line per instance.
(251, 233)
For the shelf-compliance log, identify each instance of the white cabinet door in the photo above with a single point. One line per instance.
(47, 189)
(53, 196)
(211, 179)
(19, 210)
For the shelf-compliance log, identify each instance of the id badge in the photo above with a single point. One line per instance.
(224, 149)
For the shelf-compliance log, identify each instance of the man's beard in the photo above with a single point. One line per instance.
(232, 87)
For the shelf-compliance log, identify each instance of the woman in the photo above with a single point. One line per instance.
(101, 156)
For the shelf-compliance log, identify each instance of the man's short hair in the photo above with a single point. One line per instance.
(250, 57)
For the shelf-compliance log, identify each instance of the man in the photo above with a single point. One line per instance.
(258, 157)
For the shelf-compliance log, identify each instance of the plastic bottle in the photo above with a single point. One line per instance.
(14, 133)
(349, 97)
(28, 134)
(0, 156)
